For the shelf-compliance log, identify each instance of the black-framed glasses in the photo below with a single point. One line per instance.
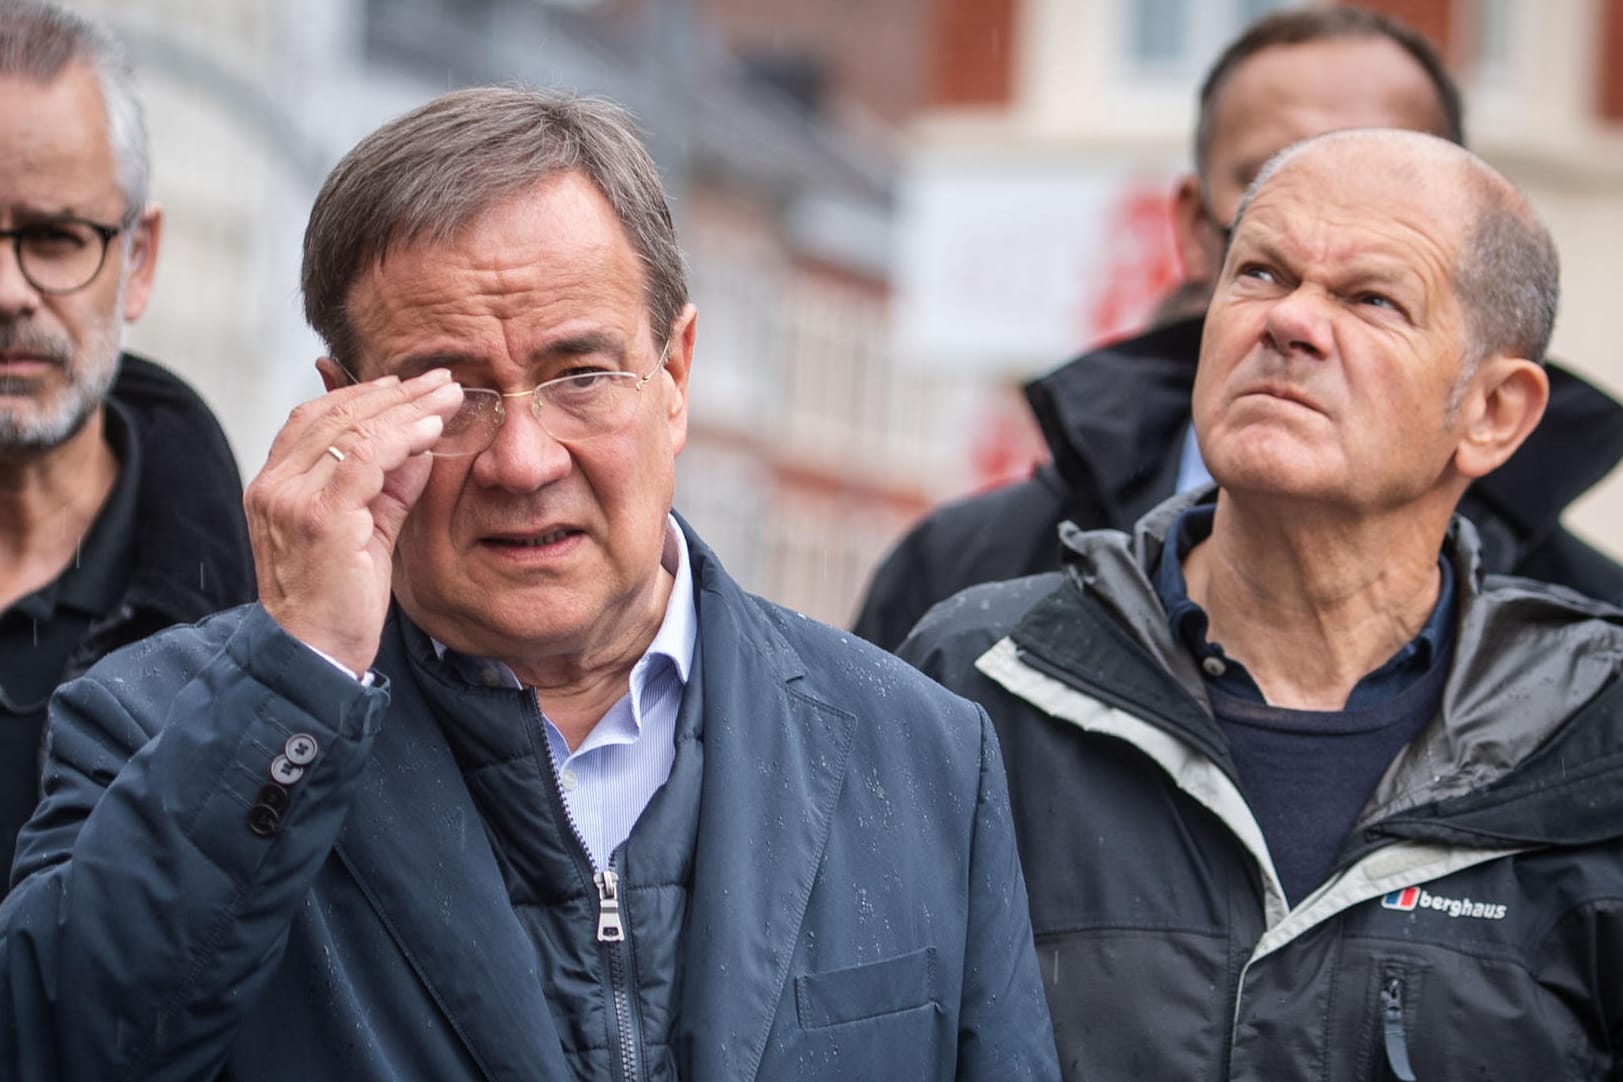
(61, 255)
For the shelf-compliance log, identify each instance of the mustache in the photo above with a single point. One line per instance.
(22, 338)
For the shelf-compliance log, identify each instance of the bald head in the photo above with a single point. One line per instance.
(1506, 274)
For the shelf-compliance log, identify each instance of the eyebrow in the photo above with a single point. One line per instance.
(573, 345)
(581, 345)
(1363, 272)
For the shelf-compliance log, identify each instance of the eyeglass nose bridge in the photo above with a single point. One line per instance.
(499, 420)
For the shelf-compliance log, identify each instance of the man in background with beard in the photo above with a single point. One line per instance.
(120, 503)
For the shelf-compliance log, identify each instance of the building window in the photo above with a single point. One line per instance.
(1181, 37)
(1490, 46)
(1160, 32)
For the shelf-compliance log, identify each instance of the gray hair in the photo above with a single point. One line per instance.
(424, 175)
(39, 41)
(1508, 278)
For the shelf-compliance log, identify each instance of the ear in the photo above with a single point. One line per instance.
(1191, 231)
(677, 365)
(333, 375)
(1501, 408)
(141, 261)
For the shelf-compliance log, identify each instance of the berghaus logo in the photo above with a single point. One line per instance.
(1410, 899)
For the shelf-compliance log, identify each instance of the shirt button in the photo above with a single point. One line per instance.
(490, 678)
(569, 781)
(283, 772)
(1214, 666)
(301, 749)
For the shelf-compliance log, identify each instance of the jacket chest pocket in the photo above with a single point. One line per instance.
(867, 991)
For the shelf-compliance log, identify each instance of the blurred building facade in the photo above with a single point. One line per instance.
(1033, 196)
(894, 211)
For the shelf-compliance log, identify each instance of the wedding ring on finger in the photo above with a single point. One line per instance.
(338, 456)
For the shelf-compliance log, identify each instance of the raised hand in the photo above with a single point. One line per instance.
(324, 513)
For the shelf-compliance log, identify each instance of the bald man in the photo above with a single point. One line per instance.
(1117, 419)
(1298, 791)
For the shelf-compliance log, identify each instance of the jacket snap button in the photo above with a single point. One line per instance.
(263, 820)
(1214, 666)
(301, 749)
(283, 772)
(273, 797)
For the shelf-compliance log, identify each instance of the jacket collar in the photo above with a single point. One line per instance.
(191, 539)
(1578, 442)
(775, 755)
(1111, 416)
(1526, 657)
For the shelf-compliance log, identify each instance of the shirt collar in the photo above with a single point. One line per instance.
(674, 641)
(1189, 622)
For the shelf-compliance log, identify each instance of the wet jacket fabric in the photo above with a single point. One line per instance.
(1471, 926)
(1115, 422)
(826, 888)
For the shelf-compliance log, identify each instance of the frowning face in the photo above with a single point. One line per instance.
(1335, 343)
(533, 549)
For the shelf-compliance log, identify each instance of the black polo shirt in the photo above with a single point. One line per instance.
(40, 632)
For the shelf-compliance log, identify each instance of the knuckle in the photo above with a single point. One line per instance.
(304, 413)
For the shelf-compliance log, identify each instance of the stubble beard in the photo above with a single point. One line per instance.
(53, 419)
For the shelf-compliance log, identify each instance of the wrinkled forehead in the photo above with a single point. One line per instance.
(1350, 180)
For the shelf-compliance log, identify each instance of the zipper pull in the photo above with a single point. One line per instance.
(609, 928)
(1397, 1042)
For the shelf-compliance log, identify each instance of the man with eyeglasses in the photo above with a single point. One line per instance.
(504, 777)
(120, 504)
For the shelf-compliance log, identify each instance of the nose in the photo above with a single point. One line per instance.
(18, 297)
(522, 458)
(1298, 324)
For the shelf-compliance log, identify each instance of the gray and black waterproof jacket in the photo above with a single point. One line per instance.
(1472, 925)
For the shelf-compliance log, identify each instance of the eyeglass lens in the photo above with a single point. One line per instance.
(60, 256)
(570, 409)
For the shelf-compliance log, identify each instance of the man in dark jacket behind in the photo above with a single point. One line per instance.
(1117, 420)
(1300, 792)
(504, 777)
(120, 504)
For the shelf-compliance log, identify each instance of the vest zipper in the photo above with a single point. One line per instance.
(611, 927)
(611, 936)
(1396, 1040)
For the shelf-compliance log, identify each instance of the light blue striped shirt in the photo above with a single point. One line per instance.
(608, 781)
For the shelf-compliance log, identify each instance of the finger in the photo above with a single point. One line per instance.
(370, 426)
(388, 438)
(296, 430)
(307, 480)
(322, 422)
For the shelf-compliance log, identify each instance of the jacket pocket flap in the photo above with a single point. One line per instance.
(866, 991)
